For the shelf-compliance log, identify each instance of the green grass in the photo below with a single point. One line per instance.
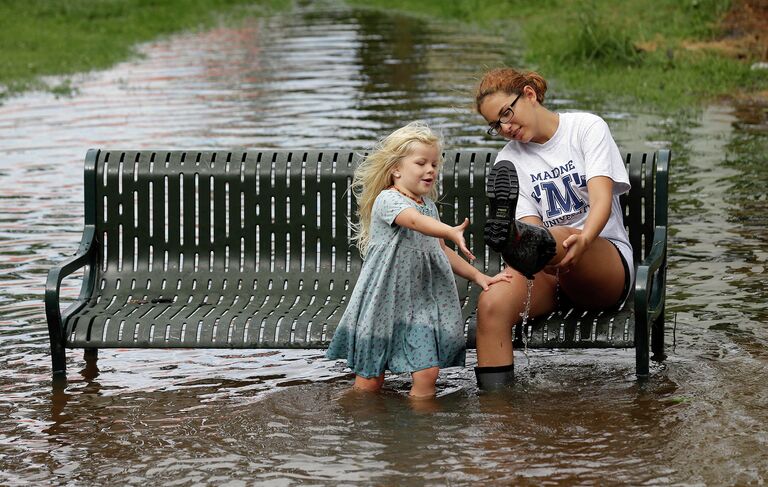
(633, 50)
(586, 46)
(62, 37)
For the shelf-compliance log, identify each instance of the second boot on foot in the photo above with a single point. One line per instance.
(495, 378)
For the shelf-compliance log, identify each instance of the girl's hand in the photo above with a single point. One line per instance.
(575, 245)
(486, 282)
(456, 235)
(506, 271)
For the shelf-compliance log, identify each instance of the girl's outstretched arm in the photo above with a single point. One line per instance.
(411, 218)
(469, 272)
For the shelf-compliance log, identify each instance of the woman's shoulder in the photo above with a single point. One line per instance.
(583, 120)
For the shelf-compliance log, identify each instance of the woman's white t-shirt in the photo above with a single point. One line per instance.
(553, 176)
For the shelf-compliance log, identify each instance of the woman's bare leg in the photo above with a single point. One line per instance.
(597, 280)
(499, 309)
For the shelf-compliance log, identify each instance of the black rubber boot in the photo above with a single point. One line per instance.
(524, 247)
(495, 378)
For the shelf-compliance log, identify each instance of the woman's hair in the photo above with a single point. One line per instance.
(374, 173)
(509, 81)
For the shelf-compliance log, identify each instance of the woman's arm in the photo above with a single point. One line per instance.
(600, 199)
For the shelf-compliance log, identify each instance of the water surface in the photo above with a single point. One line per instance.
(341, 78)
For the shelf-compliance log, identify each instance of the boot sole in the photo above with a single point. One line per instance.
(502, 190)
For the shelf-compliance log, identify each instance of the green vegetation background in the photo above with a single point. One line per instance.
(63, 37)
(589, 46)
(631, 49)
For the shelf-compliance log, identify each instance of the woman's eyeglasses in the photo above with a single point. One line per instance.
(506, 116)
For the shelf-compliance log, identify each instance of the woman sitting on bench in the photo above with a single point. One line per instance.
(554, 215)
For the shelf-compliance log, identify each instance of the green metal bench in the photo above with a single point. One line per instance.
(250, 250)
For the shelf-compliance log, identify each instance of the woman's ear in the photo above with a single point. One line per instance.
(530, 93)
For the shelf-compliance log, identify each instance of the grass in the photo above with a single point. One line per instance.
(61, 37)
(634, 50)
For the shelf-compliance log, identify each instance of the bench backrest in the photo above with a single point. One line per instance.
(280, 213)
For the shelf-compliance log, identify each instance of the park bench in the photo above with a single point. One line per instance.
(250, 249)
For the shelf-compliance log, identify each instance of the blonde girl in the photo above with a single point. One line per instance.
(404, 314)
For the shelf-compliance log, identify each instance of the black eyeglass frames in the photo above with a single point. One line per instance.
(506, 116)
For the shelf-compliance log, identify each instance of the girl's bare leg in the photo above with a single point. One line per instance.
(373, 384)
(424, 383)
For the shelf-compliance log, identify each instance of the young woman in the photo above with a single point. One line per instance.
(555, 215)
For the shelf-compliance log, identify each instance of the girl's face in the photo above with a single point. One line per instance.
(522, 125)
(416, 173)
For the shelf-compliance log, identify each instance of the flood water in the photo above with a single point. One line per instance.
(340, 78)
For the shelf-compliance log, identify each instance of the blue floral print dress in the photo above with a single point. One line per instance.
(404, 313)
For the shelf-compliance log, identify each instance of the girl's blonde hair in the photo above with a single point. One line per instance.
(374, 173)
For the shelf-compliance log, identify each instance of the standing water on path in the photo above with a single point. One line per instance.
(342, 78)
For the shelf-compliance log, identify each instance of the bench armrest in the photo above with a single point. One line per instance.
(650, 281)
(58, 273)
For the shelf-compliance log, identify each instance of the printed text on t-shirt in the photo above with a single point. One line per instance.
(554, 173)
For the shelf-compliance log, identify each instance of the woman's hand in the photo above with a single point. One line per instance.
(456, 235)
(575, 246)
(600, 197)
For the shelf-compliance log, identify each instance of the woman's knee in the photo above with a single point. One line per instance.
(494, 311)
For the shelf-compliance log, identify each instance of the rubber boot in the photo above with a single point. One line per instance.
(524, 247)
(495, 378)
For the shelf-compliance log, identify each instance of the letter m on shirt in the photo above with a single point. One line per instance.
(561, 204)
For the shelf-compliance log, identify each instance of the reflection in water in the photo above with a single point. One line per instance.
(394, 59)
(339, 78)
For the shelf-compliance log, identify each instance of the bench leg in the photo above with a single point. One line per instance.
(58, 386)
(91, 370)
(641, 349)
(657, 339)
(91, 354)
(58, 360)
